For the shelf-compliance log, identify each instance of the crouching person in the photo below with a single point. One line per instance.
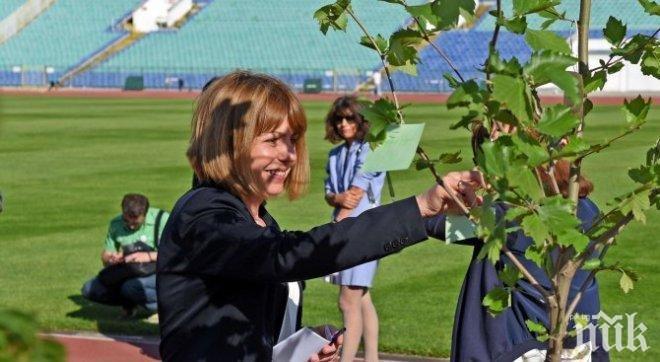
(129, 256)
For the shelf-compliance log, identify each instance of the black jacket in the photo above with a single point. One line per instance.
(221, 277)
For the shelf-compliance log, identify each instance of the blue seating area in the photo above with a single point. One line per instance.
(279, 37)
(273, 36)
(469, 48)
(64, 35)
(8, 6)
(466, 49)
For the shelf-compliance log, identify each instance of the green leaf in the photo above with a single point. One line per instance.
(382, 43)
(636, 203)
(642, 175)
(557, 214)
(333, 16)
(535, 228)
(408, 68)
(523, 179)
(592, 264)
(451, 80)
(516, 25)
(497, 300)
(402, 47)
(465, 94)
(421, 164)
(492, 159)
(379, 114)
(636, 111)
(448, 12)
(651, 62)
(491, 249)
(595, 81)
(614, 68)
(531, 148)
(450, 158)
(587, 106)
(650, 7)
(511, 92)
(626, 282)
(575, 146)
(466, 120)
(633, 49)
(572, 237)
(543, 64)
(653, 154)
(544, 39)
(557, 121)
(523, 7)
(496, 65)
(535, 327)
(567, 82)
(509, 275)
(514, 213)
(614, 31)
(535, 255)
(424, 14)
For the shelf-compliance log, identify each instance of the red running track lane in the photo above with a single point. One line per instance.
(86, 347)
(98, 348)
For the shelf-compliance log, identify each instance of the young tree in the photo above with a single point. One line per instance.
(519, 167)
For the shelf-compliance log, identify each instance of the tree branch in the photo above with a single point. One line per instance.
(610, 62)
(437, 49)
(381, 54)
(530, 278)
(606, 240)
(493, 41)
(420, 150)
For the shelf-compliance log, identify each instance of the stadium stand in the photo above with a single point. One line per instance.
(279, 37)
(64, 35)
(8, 6)
(273, 36)
(628, 11)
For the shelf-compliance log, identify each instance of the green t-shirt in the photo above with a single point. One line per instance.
(119, 235)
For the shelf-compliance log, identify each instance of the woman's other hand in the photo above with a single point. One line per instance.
(349, 199)
(329, 352)
(462, 184)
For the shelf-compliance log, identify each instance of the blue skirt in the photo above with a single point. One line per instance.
(358, 276)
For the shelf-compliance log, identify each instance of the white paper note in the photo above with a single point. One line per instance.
(299, 346)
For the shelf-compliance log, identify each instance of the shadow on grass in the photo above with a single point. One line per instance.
(111, 324)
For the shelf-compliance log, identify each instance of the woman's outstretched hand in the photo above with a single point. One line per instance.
(462, 184)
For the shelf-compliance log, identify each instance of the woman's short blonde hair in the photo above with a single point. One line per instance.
(231, 112)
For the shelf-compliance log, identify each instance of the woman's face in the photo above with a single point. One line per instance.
(346, 125)
(273, 154)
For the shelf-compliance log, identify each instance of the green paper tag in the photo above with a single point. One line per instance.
(459, 228)
(398, 149)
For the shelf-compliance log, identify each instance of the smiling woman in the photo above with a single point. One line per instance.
(229, 280)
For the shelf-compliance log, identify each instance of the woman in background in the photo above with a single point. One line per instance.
(351, 191)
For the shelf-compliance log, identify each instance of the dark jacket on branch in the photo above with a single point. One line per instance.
(477, 335)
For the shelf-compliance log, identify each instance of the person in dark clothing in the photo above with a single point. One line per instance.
(228, 277)
(478, 336)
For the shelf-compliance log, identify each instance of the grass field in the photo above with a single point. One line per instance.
(65, 164)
